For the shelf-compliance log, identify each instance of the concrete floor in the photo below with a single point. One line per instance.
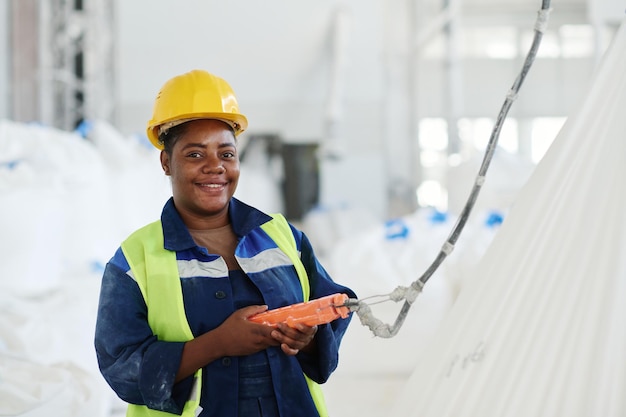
(364, 396)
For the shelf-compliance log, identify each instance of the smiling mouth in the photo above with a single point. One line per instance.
(213, 186)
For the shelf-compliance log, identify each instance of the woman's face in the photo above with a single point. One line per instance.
(204, 169)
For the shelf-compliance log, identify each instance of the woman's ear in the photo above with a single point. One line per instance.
(165, 162)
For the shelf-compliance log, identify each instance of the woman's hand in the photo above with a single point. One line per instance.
(236, 336)
(243, 337)
(294, 339)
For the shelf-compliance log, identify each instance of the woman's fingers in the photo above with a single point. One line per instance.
(293, 339)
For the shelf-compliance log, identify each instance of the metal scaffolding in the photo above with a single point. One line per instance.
(62, 55)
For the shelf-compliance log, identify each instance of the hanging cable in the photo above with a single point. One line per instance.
(410, 293)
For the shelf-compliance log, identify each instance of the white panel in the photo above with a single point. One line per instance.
(539, 327)
(606, 10)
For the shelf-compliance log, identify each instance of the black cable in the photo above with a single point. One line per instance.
(385, 330)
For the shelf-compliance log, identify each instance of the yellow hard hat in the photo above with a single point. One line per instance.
(194, 95)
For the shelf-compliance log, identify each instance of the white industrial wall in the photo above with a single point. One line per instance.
(552, 88)
(276, 54)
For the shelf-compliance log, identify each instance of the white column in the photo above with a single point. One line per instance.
(400, 130)
(5, 62)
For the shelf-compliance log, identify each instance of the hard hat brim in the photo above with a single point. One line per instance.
(238, 122)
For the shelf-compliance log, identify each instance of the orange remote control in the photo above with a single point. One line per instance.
(319, 311)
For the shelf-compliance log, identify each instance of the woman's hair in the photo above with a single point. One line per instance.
(169, 137)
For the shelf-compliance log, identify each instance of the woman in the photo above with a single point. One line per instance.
(172, 333)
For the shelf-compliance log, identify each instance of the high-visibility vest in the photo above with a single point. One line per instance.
(155, 267)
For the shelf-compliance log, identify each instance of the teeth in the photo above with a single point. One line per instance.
(212, 185)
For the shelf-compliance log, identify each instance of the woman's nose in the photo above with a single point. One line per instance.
(214, 167)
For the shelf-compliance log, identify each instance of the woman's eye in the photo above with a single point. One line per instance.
(194, 155)
(229, 154)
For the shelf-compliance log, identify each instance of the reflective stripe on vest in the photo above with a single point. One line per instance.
(279, 231)
(153, 267)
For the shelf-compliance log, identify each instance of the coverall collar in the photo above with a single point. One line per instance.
(176, 236)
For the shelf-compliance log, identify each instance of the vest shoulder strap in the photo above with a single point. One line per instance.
(156, 272)
(280, 232)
